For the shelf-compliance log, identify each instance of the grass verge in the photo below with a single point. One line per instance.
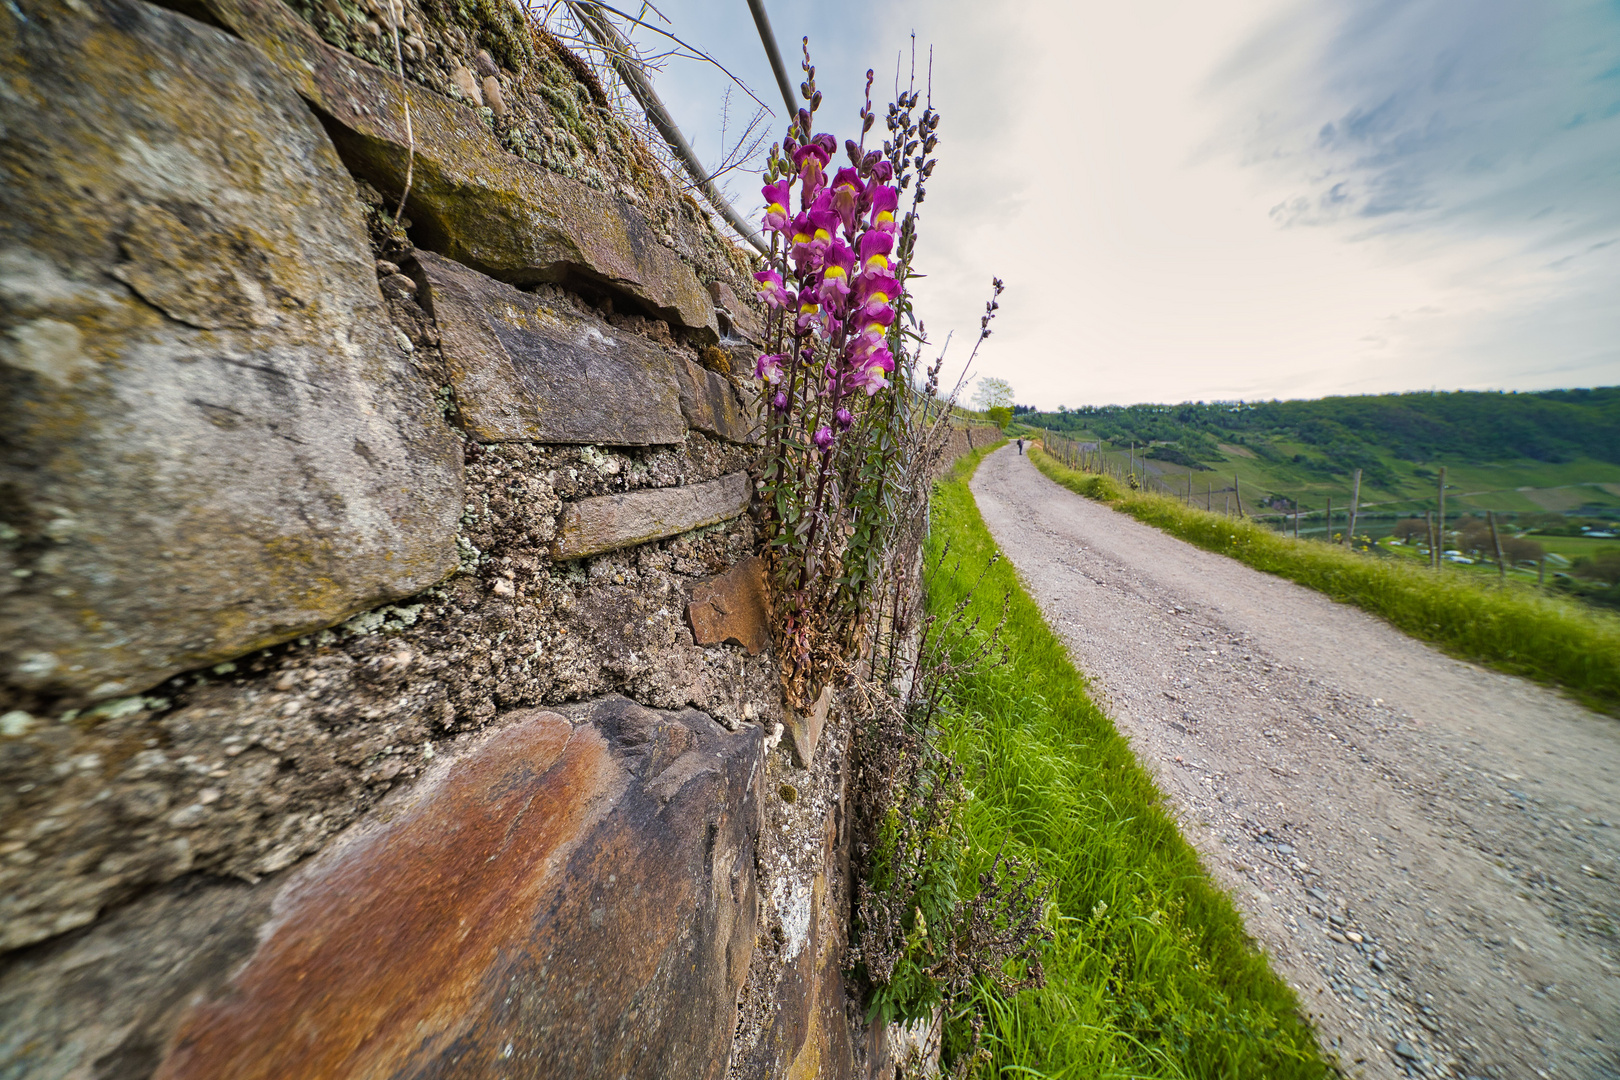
(1513, 629)
(1151, 973)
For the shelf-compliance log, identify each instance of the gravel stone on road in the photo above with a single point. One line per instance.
(1426, 849)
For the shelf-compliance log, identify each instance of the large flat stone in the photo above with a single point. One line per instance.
(711, 404)
(609, 522)
(560, 901)
(212, 440)
(470, 199)
(524, 370)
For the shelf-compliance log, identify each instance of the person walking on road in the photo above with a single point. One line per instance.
(1020, 447)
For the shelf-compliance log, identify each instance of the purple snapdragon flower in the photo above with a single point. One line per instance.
(847, 193)
(885, 201)
(769, 368)
(837, 261)
(869, 373)
(875, 248)
(809, 313)
(777, 196)
(823, 437)
(770, 289)
(812, 234)
(811, 161)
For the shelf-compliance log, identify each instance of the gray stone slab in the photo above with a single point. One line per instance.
(527, 370)
(212, 440)
(608, 522)
(470, 199)
(711, 404)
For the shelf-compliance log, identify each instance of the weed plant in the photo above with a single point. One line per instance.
(1151, 972)
(1513, 628)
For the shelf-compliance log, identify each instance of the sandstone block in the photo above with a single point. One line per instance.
(212, 441)
(711, 403)
(561, 900)
(470, 199)
(524, 370)
(608, 522)
(733, 608)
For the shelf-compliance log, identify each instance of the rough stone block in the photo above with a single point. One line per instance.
(733, 608)
(524, 370)
(711, 403)
(556, 899)
(212, 439)
(608, 522)
(804, 729)
(471, 199)
(745, 321)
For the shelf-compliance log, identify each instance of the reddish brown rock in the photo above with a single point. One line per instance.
(563, 901)
(732, 609)
(609, 522)
(527, 370)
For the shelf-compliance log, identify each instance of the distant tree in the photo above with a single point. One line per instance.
(992, 393)
(1604, 567)
(1000, 416)
(1406, 528)
(1521, 549)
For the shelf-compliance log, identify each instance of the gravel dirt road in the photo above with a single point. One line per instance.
(1426, 849)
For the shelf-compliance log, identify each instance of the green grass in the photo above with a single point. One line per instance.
(1151, 973)
(1514, 629)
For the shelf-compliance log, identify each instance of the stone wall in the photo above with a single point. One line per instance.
(385, 677)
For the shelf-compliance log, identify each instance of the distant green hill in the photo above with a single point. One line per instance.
(1519, 453)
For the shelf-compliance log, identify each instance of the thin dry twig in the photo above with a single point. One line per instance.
(396, 14)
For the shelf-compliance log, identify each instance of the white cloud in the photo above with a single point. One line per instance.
(1174, 219)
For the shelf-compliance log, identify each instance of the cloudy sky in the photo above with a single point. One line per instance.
(1237, 198)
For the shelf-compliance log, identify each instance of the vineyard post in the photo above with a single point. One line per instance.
(1237, 492)
(1440, 518)
(1434, 554)
(1296, 518)
(1355, 504)
(1496, 542)
(1328, 536)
